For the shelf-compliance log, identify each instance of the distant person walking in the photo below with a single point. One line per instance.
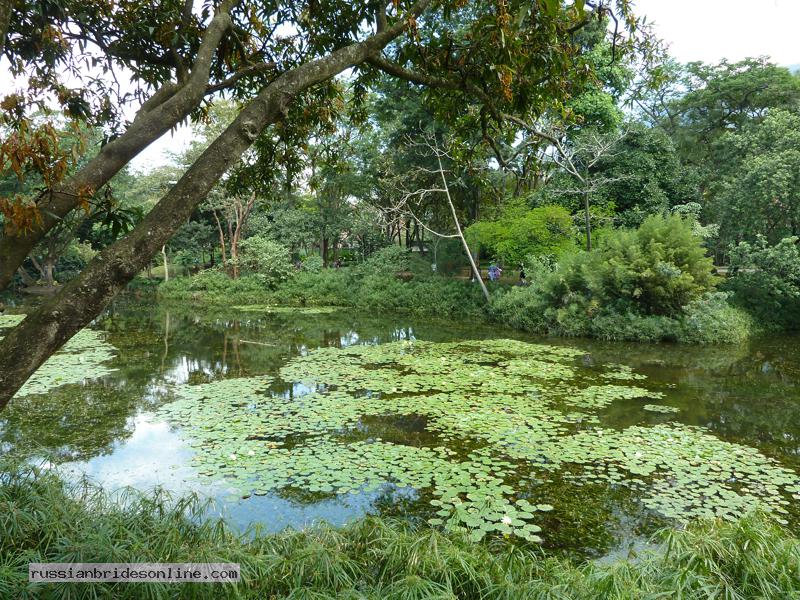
(494, 272)
(522, 279)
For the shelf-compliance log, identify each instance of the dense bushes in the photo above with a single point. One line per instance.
(391, 280)
(327, 287)
(215, 287)
(650, 284)
(766, 281)
(520, 232)
(654, 270)
(45, 520)
(267, 260)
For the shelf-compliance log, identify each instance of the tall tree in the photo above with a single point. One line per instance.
(759, 191)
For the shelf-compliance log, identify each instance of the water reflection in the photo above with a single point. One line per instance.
(106, 428)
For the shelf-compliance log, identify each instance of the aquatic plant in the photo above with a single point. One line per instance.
(660, 408)
(498, 414)
(81, 358)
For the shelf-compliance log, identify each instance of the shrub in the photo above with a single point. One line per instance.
(765, 280)
(266, 259)
(658, 269)
(313, 263)
(213, 286)
(633, 327)
(651, 284)
(546, 230)
(391, 259)
(327, 287)
(713, 320)
(521, 308)
(450, 257)
(654, 270)
(425, 296)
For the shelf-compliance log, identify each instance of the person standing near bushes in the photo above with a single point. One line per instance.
(494, 272)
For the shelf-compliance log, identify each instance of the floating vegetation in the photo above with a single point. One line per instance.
(81, 358)
(600, 396)
(500, 415)
(623, 372)
(660, 408)
(10, 320)
(283, 310)
(682, 472)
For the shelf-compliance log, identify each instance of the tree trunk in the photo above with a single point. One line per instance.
(167, 107)
(57, 319)
(588, 221)
(49, 267)
(475, 270)
(166, 264)
(221, 239)
(26, 277)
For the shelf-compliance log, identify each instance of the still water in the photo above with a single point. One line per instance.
(109, 429)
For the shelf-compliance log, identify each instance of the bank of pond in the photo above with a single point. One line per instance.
(651, 284)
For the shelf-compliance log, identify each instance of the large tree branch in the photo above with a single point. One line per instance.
(165, 109)
(47, 328)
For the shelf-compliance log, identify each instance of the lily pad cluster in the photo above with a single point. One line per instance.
(10, 320)
(661, 408)
(681, 472)
(81, 358)
(498, 415)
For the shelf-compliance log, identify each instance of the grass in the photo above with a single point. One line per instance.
(43, 519)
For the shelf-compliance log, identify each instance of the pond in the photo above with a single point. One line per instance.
(289, 416)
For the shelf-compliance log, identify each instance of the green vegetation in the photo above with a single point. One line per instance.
(766, 281)
(503, 414)
(83, 357)
(650, 284)
(46, 520)
(520, 233)
(266, 259)
(653, 283)
(377, 160)
(390, 280)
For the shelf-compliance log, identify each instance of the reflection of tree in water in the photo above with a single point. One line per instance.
(748, 393)
(592, 519)
(71, 422)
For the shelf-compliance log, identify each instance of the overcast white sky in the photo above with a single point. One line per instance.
(705, 30)
(710, 30)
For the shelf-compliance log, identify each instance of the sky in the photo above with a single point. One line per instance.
(704, 30)
(710, 30)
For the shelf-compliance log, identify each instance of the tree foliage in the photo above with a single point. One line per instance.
(759, 191)
(522, 232)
